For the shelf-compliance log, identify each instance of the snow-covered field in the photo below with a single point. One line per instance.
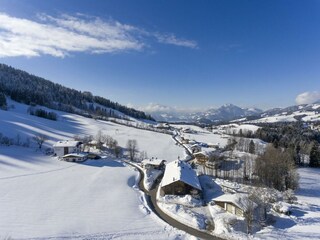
(306, 116)
(203, 135)
(304, 223)
(42, 197)
(18, 121)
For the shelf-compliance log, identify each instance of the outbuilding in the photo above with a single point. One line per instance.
(236, 204)
(75, 157)
(157, 164)
(180, 179)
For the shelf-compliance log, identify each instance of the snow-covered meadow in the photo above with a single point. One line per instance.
(304, 223)
(43, 197)
(18, 121)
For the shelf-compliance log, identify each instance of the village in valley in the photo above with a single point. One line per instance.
(159, 120)
(211, 189)
(217, 181)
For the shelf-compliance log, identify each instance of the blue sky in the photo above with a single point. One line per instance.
(188, 54)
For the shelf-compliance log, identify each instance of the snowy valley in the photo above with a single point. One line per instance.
(45, 197)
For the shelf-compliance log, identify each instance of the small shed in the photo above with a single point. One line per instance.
(180, 179)
(75, 157)
(62, 148)
(234, 203)
(157, 164)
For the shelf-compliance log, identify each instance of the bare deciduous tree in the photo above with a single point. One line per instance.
(132, 148)
(40, 139)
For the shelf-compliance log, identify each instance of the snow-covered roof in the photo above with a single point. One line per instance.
(241, 200)
(203, 152)
(79, 155)
(180, 171)
(196, 145)
(155, 162)
(67, 143)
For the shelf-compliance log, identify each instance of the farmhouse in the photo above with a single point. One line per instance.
(62, 148)
(180, 179)
(157, 164)
(201, 157)
(234, 203)
(75, 157)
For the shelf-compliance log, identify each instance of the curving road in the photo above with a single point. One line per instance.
(152, 203)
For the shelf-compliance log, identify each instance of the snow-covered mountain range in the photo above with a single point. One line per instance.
(230, 112)
(226, 112)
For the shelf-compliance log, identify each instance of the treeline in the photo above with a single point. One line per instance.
(3, 101)
(297, 137)
(29, 89)
(43, 113)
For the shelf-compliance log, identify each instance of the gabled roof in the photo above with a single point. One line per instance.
(155, 162)
(241, 200)
(67, 143)
(180, 171)
(203, 152)
(79, 155)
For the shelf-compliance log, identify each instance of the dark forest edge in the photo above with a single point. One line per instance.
(26, 88)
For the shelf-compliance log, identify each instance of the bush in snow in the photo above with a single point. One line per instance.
(282, 207)
(289, 197)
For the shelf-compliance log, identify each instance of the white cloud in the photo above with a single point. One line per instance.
(172, 39)
(308, 97)
(60, 36)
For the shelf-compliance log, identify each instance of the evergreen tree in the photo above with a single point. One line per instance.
(315, 155)
(3, 101)
(252, 148)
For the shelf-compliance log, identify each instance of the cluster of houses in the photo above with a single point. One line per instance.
(180, 179)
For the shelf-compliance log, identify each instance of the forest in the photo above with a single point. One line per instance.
(32, 90)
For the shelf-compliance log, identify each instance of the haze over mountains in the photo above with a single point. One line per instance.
(230, 112)
(226, 112)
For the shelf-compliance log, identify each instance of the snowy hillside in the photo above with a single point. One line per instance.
(16, 121)
(305, 219)
(43, 197)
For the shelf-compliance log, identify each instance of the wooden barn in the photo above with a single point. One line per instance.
(234, 203)
(180, 179)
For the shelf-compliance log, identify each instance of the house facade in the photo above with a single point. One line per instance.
(236, 204)
(201, 157)
(62, 148)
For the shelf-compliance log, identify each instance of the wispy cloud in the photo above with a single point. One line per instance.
(172, 39)
(308, 97)
(60, 36)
